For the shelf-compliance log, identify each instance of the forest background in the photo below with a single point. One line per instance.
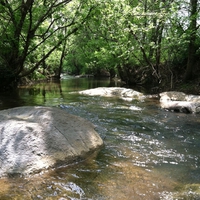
(152, 43)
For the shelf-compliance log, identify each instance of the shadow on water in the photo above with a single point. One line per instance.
(149, 153)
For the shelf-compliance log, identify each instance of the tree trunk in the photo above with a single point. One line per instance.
(192, 38)
(59, 71)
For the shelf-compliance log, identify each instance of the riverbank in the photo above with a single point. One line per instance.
(192, 87)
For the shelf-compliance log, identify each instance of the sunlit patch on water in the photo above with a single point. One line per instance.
(135, 108)
(73, 191)
(155, 140)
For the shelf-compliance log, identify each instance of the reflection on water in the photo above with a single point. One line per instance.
(149, 153)
(50, 94)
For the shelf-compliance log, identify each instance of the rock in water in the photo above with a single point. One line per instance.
(123, 93)
(36, 138)
(180, 102)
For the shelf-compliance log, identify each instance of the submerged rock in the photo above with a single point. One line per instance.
(126, 94)
(180, 102)
(36, 138)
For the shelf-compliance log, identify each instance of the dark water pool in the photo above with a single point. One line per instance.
(149, 153)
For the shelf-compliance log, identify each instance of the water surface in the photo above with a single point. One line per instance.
(149, 153)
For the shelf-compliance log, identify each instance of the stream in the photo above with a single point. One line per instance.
(149, 153)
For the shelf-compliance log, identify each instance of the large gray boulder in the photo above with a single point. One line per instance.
(180, 102)
(124, 93)
(36, 138)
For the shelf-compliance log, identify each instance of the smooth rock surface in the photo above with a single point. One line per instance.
(36, 138)
(124, 93)
(180, 102)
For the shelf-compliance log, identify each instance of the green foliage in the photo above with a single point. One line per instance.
(33, 33)
(133, 39)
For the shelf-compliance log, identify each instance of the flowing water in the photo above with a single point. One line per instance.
(149, 153)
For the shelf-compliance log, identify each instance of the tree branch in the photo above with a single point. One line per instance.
(47, 55)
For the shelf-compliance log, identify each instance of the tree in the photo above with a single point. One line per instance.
(144, 42)
(126, 37)
(31, 31)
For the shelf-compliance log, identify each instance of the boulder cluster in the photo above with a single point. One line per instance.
(173, 101)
